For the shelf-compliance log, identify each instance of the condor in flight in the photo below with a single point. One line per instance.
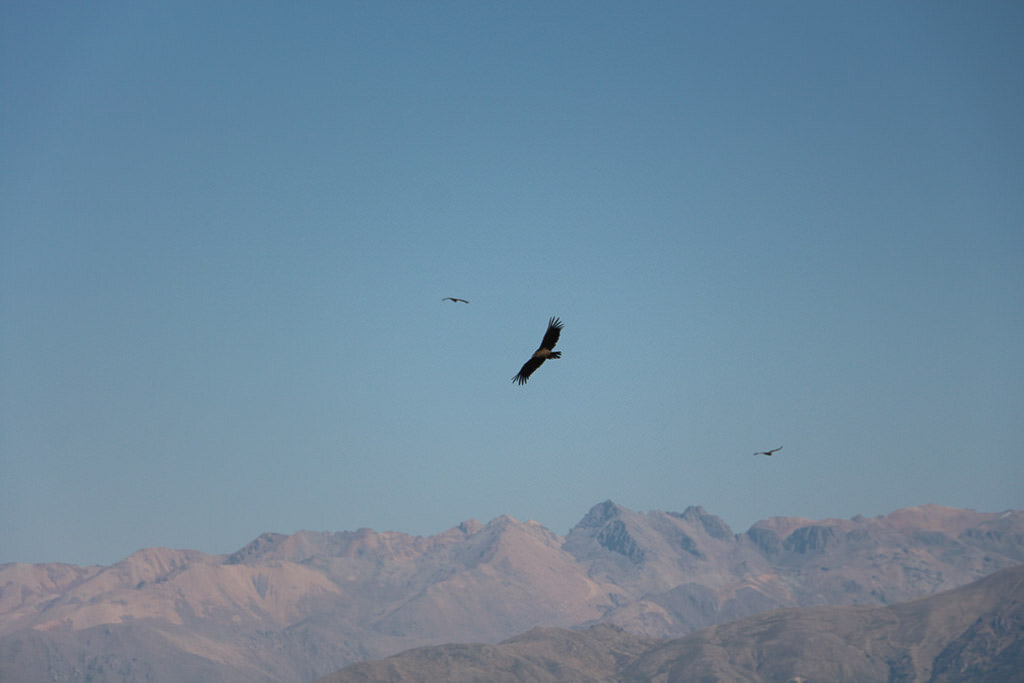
(454, 299)
(769, 452)
(543, 353)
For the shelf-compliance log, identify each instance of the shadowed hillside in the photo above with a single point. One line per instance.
(973, 633)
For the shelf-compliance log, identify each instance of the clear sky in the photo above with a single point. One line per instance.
(226, 229)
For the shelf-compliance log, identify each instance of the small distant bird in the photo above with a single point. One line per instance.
(543, 353)
(774, 450)
(454, 299)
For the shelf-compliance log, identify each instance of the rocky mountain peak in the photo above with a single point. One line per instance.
(470, 527)
(298, 606)
(712, 525)
(599, 515)
(256, 548)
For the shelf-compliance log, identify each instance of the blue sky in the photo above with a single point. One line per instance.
(226, 229)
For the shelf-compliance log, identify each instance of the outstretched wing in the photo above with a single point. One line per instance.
(544, 352)
(551, 336)
(527, 369)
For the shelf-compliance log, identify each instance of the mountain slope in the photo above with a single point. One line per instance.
(680, 571)
(540, 655)
(294, 607)
(946, 637)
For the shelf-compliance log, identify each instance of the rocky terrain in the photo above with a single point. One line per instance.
(297, 607)
(973, 633)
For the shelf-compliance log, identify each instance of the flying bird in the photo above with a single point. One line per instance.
(543, 353)
(454, 299)
(769, 452)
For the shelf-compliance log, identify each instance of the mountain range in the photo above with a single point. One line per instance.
(974, 633)
(298, 607)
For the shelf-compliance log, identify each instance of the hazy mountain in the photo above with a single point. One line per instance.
(540, 655)
(295, 607)
(973, 633)
(683, 571)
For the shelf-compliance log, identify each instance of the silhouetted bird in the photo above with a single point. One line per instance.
(543, 353)
(769, 452)
(454, 299)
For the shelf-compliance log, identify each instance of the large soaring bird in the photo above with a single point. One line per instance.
(769, 452)
(454, 299)
(543, 353)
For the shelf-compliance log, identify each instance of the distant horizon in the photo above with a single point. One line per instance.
(736, 530)
(299, 607)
